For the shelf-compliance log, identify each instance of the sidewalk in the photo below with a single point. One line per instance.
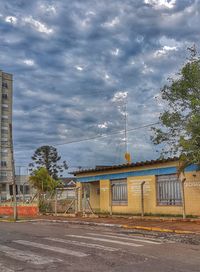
(173, 225)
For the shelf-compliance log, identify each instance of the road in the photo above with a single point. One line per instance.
(48, 246)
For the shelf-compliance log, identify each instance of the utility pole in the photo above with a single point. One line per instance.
(13, 176)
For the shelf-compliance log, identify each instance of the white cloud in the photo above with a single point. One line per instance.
(79, 68)
(48, 8)
(103, 125)
(112, 23)
(11, 20)
(159, 4)
(115, 52)
(147, 69)
(164, 51)
(29, 62)
(40, 27)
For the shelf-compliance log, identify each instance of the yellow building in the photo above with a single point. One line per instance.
(149, 187)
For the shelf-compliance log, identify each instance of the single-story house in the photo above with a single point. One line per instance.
(149, 187)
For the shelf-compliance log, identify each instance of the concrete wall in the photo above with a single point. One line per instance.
(27, 211)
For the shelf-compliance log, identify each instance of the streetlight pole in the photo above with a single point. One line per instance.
(13, 177)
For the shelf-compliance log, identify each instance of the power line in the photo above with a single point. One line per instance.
(99, 136)
(109, 134)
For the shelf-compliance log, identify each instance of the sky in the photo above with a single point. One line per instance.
(78, 64)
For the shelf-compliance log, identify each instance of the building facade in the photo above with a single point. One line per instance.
(6, 173)
(150, 187)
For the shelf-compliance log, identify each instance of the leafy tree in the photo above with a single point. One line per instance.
(180, 131)
(47, 156)
(42, 181)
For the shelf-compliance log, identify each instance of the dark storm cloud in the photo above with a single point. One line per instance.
(71, 58)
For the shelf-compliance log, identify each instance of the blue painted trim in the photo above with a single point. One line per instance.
(149, 172)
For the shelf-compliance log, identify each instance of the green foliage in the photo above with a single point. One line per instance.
(47, 156)
(180, 132)
(43, 182)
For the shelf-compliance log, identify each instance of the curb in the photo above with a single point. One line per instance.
(156, 229)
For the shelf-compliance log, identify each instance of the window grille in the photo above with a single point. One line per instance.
(119, 192)
(168, 190)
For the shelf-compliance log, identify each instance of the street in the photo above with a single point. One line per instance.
(50, 246)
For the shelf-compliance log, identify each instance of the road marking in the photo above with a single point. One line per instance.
(52, 248)
(126, 238)
(78, 243)
(5, 269)
(26, 256)
(136, 236)
(105, 240)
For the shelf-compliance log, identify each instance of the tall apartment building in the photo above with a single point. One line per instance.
(6, 173)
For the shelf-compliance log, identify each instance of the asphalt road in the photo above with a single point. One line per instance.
(47, 246)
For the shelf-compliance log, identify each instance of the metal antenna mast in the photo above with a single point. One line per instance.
(127, 154)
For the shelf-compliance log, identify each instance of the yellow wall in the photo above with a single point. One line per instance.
(105, 196)
(192, 193)
(103, 201)
(95, 196)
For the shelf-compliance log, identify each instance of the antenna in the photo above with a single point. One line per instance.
(127, 155)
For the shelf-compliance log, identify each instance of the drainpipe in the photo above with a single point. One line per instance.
(142, 198)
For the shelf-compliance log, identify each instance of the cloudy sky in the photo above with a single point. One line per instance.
(76, 64)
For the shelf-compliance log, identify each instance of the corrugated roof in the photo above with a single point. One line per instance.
(120, 166)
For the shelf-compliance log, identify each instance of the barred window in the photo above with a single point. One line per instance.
(168, 190)
(119, 192)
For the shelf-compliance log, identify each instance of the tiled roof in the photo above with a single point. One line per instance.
(120, 166)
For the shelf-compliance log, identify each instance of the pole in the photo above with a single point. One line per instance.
(111, 190)
(142, 198)
(183, 196)
(13, 176)
(56, 202)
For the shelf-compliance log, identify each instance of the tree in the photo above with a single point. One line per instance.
(180, 131)
(47, 156)
(43, 182)
(45, 186)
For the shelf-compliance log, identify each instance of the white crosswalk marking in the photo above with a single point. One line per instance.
(52, 248)
(126, 238)
(26, 256)
(105, 240)
(5, 269)
(135, 236)
(78, 243)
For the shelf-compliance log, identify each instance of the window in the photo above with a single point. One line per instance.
(168, 190)
(4, 127)
(4, 143)
(5, 107)
(4, 152)
(119, 192)
(3, 163)
(3, 189)
(4, 96)
(4, 84)
(4, 131)
(3, 175)
(24, 189)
